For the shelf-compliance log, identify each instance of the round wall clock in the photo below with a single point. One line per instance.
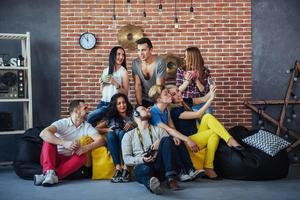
(87, 40)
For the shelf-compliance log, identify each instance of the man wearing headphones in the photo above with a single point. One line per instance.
(151, 151)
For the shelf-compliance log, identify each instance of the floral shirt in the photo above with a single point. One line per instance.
(192, 90)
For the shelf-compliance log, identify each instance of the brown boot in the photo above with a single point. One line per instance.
(173, 185)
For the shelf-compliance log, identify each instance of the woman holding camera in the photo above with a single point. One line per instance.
(118, 120)
(114, 79)
(192, 79)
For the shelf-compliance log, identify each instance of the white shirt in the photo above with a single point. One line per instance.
(66, 130)
(109, 89)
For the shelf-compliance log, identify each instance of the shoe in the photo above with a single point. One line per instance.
(184, 177)
(155, 185)
(216, 178)
(173, 185)
(238, 148)
(50, 178)
(125, 176)
(38, 179)
(117, 177)
(196, 173)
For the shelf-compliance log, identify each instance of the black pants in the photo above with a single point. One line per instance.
(183, 160)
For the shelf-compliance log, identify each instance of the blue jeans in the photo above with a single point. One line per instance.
(183, 160)
(114, 139)
(163, 167)
(197, 107)
(96, 115)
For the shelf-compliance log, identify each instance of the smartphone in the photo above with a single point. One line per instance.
(210, 81)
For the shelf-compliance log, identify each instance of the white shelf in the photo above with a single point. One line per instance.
(14, 68)
(13, 100)
(12, 132)
(27, 101)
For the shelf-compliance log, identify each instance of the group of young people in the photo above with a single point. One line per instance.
(168, 124)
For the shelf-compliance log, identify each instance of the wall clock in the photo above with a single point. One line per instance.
(87, 40)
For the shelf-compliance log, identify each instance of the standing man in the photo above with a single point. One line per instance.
(147, 70)
(61, 154)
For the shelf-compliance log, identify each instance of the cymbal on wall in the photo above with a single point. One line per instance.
(128, 35)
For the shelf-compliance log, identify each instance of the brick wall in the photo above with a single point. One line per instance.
(220, 28)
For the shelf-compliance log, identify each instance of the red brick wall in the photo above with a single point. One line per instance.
(221, 29)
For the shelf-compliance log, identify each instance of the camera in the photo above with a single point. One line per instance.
(150, 152)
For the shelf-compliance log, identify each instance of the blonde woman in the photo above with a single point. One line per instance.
(207, 134)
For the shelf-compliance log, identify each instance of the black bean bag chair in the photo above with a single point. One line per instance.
(250, 164)
(27, 160)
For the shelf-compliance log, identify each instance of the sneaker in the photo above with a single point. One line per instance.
(50, 178)
(117, 177)
(38, 179)
(125, 176)
(195, 173)
(173, 185)
(184, 177)
(155, 185)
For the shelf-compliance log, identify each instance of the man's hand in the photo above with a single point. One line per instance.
(192, 145)
(155, 145)
(177, 141)
(148, 159)
(71, 145)
(82, 150)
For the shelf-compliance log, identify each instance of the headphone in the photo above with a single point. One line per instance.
(136, 113)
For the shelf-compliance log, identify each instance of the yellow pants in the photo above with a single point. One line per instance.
(209, 132)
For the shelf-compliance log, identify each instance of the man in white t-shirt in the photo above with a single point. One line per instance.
(62, 154)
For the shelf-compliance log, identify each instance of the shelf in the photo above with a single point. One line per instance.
(12, 132)
(17, 68)
(14, 100)
(12, 36)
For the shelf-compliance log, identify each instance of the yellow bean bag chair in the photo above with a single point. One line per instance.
(103, 166)
(85, 140)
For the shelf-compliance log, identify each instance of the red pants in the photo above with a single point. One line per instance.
(62, 165)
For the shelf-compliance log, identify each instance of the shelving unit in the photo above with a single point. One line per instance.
(26, 100)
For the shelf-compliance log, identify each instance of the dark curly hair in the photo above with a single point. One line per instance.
(112, 112)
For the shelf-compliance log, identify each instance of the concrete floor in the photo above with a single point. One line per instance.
(14, 188)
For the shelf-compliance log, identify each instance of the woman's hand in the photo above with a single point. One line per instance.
(177, 141)
(199, 85)
(212, 91)
(194, 147)
(128, 126)
(188, 76)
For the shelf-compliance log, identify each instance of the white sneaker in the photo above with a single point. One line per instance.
(38, 179)
(184, 177)
(194, 173)
(50, 178)
(155, 185)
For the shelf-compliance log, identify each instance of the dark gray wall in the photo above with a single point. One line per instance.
(42, 19)
(276, 47)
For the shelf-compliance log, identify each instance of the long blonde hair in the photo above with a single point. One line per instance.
(172, 105)
(194, 61)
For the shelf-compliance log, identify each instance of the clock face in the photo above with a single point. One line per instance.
(87, 40)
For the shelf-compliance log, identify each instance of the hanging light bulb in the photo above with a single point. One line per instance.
(160, 8)
(288, 120)
(286, 136)
(114, 21)
(176, 24)
(294, 115)
(114, 17)
(192, 11)
(144, 13)
(128, 7)
(260, 122)
(294, 96)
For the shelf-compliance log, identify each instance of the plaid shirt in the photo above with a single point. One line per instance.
(192, 90)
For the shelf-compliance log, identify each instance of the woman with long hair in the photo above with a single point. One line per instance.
(193, 78)
(114, 79)
(207, 133)
(118, 120)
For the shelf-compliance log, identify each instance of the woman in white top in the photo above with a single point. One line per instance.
(114, 79)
